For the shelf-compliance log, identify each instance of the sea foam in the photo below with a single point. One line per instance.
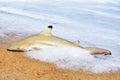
(76, 59)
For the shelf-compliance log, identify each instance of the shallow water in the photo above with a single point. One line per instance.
(95, 23)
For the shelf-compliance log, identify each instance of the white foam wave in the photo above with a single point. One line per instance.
(118, 43)
(102, 13)
(75, 59)
(44, 16)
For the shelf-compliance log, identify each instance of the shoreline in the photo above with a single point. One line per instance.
(16, 66)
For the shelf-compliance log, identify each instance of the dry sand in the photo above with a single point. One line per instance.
(16, 66)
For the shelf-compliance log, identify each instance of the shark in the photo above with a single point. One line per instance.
(46, 39)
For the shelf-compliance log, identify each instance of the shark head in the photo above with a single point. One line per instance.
(14, 47)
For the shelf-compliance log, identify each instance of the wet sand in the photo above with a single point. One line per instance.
(17, 66)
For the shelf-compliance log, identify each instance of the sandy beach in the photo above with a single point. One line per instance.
(95, 23)
(17, 66)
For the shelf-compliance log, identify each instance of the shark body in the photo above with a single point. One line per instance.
(46, 39)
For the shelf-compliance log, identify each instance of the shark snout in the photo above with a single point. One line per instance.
(14, 48)
(11, 48)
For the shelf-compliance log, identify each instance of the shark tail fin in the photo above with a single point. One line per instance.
(47, 31)
(77, 43)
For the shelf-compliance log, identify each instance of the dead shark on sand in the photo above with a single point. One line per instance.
(46, 39)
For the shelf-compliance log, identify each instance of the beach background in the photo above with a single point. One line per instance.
(95, 23)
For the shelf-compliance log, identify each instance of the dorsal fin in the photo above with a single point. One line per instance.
(47, 31)
(76, 42)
